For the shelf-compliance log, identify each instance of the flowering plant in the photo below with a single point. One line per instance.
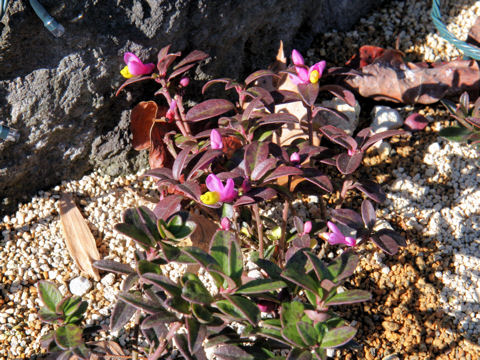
(218, 164)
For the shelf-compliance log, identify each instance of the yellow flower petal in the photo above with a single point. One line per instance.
(314, 76)
(210, 197)
(125, 73)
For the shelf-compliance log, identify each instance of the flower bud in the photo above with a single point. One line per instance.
(307, 227)
(225, 224)
(297, 58)
(184, 81)
(294, 157)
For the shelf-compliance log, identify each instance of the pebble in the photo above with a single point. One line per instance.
(385, 118)
(80, 286)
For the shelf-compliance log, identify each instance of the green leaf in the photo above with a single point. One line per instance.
(338, 336)
(182, 345)
(272, 269)
(201, 257)
(48, 316)
(82, 352)
(202, 314)
(349, 297)
(307, 332)
(455, 133)
(312, 297)
(229, 309)
(74, 309)
(319, 267)
(179, 225)
(160, 317)
(271, 333)
(272, 323)
(291, 313)
(290, 333)
(299, 354)
(178, 304)
(68, 336)
(343, 266)
(259, 286)
(232, 352)
(136, 234)
(49, 294)
(248, 308)
(194, 291)
(145, 266)
(226, 250)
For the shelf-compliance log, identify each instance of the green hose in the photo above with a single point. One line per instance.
(50, 23)
(467, 49)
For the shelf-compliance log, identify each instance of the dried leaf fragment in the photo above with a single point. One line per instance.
(78, 237)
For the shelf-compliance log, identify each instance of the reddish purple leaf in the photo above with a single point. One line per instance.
(283, 170)
(215, 81)
(254, 153)
(415, 122)
(385, 242)
(316, 177)
(163, 52)
(286, 96)
(254, 104)
(180, 71)
(131, 81)
(263, 95)
(368, 214)
(167, 206)
(244, 200)
(208, 109)
(380, 136)
(341, 93)
(372, 190)
(194, 56)
(308, 92)
(262, 168)
(190, 189)
(259, 74)
(180, 161)
(159, 173)
(335, 112)
(339, 136)
(399, 239)
(206, 158)
(347, 164)
(165, 63)
(280, 118)
(348, 218)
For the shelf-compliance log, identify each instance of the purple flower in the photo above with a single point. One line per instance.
(218, 192)
(135, 66)
(336, 237)
(306, 74)
(294, 157)
(216, 140)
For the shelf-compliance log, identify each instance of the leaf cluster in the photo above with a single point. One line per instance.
(468, 117)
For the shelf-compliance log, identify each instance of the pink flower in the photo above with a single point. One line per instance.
(218, 192)
(307, 227)
(184, 81)
(306, 74)
(294, 157)
(225, 224)
(216, 140)
(170, 115)
(135, 66)
(336, 236)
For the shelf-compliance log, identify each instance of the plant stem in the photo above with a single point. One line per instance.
(181, 111)
(256, 212)
(178, 121)
(310, 125)
(135, 334)
(282, 244)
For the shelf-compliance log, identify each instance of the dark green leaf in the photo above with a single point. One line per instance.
(271, 333)
(194, 291)
(145, 266)
(208, 109)
(49, 294)
(299, 354)
(68, 336)
(338, 337)
(290, 333)
(202, 314)
(259, 286)
(307, 333)
(48, 316)
(291, 312)
(301, 279)
(179, 225)
(140, 302)
(248, 308)
(349, 297)
(178, 304)
(182, 345)
(163, 283)
(121, 314)
(226, 250)
(229, 309)
(272, 269)
(161, 317)
(82, 352)
(196, 333)
(319, 267)
(343, 266)
(200, 256)
(113, 266)
(136, 234)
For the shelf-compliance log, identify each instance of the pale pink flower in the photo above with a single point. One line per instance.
(336, 237)
(307, 227)
(306, 74)
(216, 140)
(227, 192)
(294, 157)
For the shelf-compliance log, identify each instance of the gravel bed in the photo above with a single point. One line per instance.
(426, 299)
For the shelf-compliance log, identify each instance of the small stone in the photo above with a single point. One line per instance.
(108, 279)
(385, 118)
(390, 325)
(80, 286)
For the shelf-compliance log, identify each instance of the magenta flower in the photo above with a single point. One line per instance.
(307, 227)
(135, 66)
(218, 192)
(336, 237)
(294, 157)
(225, 224)
(216, 140)
(306, 74)
(184, 81)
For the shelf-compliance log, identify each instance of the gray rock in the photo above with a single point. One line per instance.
(352, 113)
(385, 118)
(80, 286)
(59, 92)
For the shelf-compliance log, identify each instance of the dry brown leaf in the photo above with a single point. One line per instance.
(78, 237)
(109, 348)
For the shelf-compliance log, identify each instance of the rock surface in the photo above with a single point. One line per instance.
(59, 92)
